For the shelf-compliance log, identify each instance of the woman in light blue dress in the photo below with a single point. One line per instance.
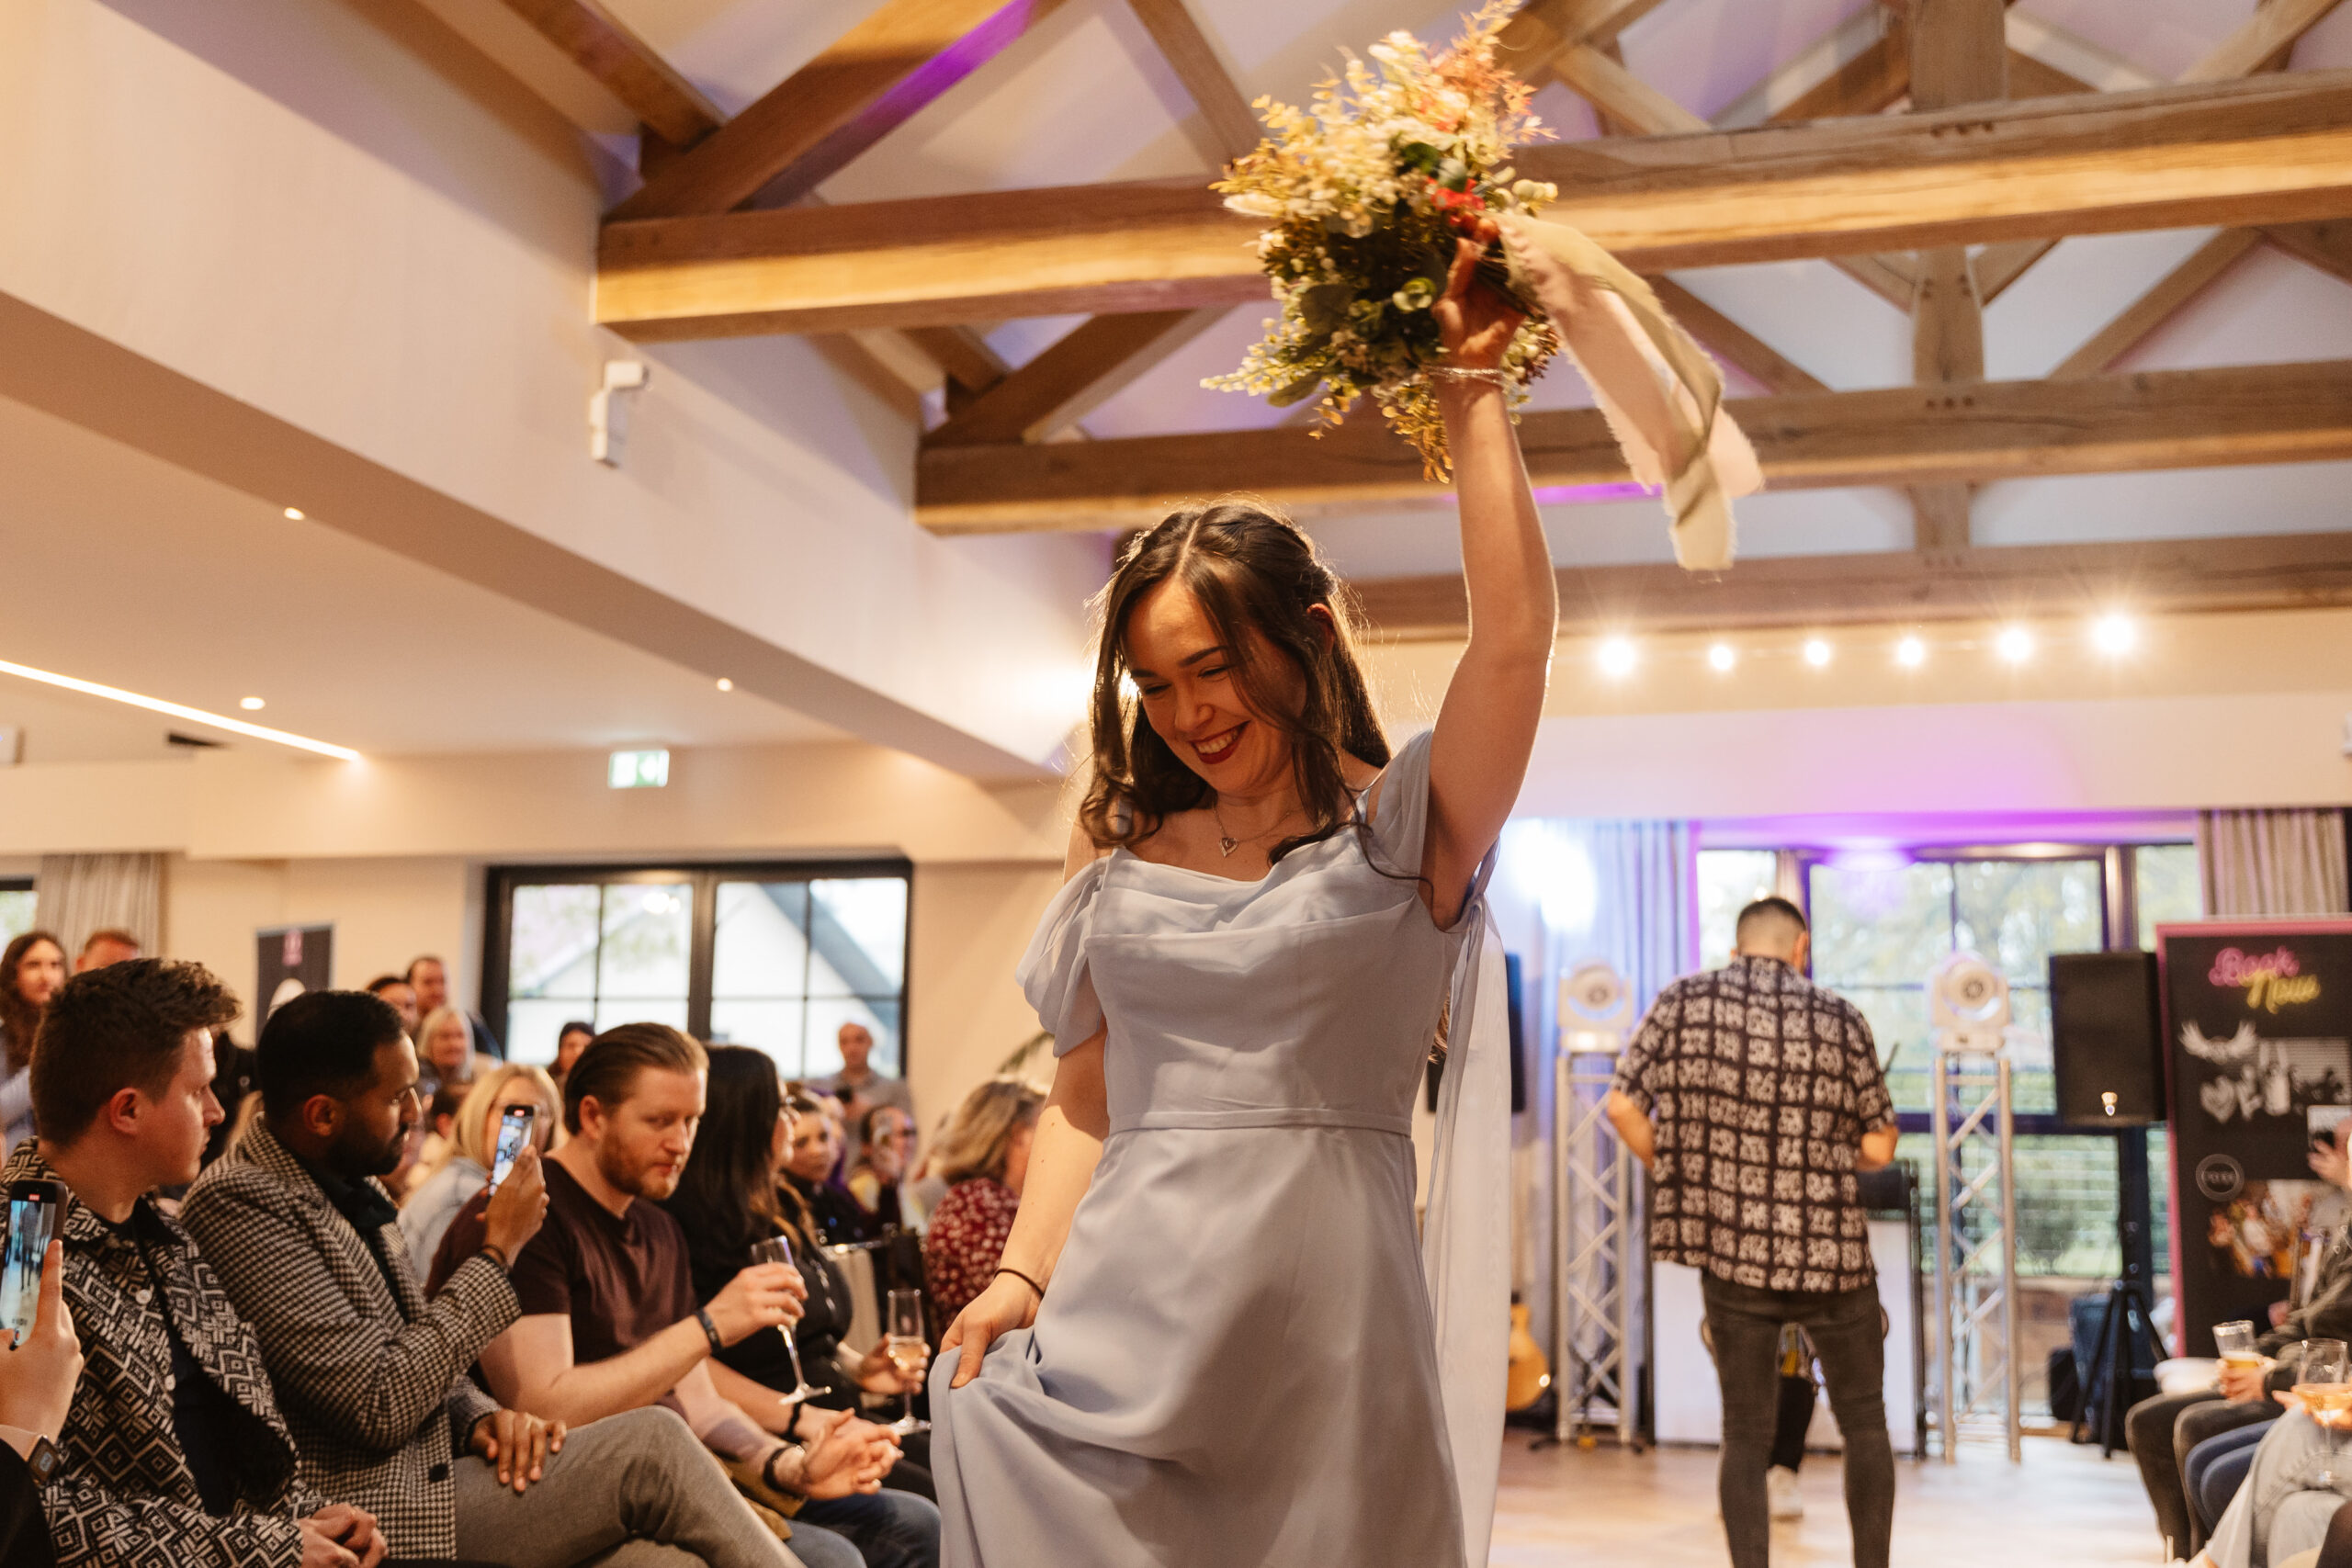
(1211, 1341)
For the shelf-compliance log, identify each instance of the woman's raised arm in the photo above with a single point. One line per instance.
(1486, 728)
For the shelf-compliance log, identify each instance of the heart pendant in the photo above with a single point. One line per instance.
(1226, 846)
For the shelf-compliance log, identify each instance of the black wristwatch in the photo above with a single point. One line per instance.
(46, 1460)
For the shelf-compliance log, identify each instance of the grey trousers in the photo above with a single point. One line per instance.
(636, 1490)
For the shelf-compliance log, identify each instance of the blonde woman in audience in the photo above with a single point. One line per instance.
(984, 1159)
(445, 1051)
(435, 1201)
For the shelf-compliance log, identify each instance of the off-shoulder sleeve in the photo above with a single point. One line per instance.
(1053, 973)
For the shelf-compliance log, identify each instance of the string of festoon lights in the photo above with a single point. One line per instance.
(2016, 643)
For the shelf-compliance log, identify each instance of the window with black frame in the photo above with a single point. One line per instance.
(774, 956)
(17, 901)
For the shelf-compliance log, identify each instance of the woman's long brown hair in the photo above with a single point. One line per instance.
(22, 1018)
(1252, 570)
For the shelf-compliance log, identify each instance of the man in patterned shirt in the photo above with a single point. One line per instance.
(1754, 1095)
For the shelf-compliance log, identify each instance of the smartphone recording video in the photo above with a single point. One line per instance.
(513, 1132)
(32, 1218)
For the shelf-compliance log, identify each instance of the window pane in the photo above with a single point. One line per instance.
(880, 1016)
(1880, 924)
(858, 929)
(2014, 914)
(16, 912)
(647, 926)
(533, 1027)
(2165, 887)
(551, 950)
(760, 948)
(1898, 1020)
(612, 1012)
(1729, 880)
(771, 1026)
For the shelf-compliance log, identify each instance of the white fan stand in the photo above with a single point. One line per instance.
(1977, 1366)
(1596, 1243)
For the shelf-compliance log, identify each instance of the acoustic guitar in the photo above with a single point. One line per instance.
(1531, 1374)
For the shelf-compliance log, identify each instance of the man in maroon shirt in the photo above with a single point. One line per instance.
(609, 1320)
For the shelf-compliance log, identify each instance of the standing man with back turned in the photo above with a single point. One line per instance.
(1754, 1095)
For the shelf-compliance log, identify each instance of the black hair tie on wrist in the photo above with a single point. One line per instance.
(1025, 1279)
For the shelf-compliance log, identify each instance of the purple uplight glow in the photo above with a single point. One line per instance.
(1573, 495)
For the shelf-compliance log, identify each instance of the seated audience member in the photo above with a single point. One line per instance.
(570, 1040)
(372, 1372)
(859, 1088)
(445, 1051)
(474, 1144)
(429, 977)
(733, 1195)
(440, 1144)
(2164, 1431)
(37, 1378)
(108, 944)
(809, 1170)
(175, 1451)
(881, 1164)
(402, 997)
(984, 1159)
(2215, 1469)
(2280, 1510)
(610, 1321)
(31, 970)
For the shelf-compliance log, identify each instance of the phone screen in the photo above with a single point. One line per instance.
(32, 1214)
(513, 1132)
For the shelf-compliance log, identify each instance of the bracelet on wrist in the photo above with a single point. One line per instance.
(498, 1254)
(1493, 376)
(1025, 1279)
(767, 1471)
(709, 1330)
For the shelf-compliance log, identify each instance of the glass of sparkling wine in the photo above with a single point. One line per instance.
(909, 1351)
(2326, 1397)
(777, 1249)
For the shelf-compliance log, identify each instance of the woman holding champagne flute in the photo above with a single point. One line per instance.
(2299, 1479)
(731, 1204)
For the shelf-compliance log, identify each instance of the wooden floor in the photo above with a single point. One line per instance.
(1606, 1509)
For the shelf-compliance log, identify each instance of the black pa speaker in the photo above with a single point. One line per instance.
(2105, 1040)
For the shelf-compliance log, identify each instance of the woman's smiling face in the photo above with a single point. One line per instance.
(1192, 695)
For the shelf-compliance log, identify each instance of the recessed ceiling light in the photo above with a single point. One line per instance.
(180, 710)
(1617, 657)
(1816, 652)
(725, 684)
(1722, 656)
(1910, 653)
(2015, 644)
(252, 705)
(2115, 634)
(293, 515)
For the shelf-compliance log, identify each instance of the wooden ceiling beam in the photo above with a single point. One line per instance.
(1084, 369)
(602, 45)
(2274, 28)
(809, 125)
(2272, 149)
(1233, 125)
(1719, 335)
(2327, 246)
(1894, 435)
(2165, 300)
(2273, 571)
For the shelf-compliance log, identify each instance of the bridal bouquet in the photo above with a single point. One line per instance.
(1365, 192)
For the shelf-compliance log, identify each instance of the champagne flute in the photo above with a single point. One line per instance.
(777, 1249)
(907, 1350)
(2325, 1398)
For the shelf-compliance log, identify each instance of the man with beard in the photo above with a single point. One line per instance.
(610, 1321)
(372, 1372)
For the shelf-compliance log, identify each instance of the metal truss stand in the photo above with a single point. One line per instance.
(1596, 1254)
(1977, 1255)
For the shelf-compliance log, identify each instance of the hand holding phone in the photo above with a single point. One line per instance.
(518, 1205)
(514, 1135)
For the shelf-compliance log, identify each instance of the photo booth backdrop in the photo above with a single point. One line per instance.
(2257, 1060)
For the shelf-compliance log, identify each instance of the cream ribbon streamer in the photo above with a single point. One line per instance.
(1660, 393)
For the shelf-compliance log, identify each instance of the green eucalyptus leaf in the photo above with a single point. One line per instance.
(1323, 308)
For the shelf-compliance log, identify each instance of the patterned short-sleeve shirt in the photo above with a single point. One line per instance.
(1761, 1085)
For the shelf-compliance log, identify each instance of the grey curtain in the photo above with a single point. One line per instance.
(2272, 862)
(75, 895)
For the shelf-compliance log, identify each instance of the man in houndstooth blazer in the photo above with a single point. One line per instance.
(373, 1374)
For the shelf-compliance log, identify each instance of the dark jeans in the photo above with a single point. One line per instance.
(2215, 1470)
(891, 1530)
(2161, 1433)
(1849, 1343)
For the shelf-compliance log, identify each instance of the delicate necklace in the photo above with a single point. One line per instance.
(1225, 843)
